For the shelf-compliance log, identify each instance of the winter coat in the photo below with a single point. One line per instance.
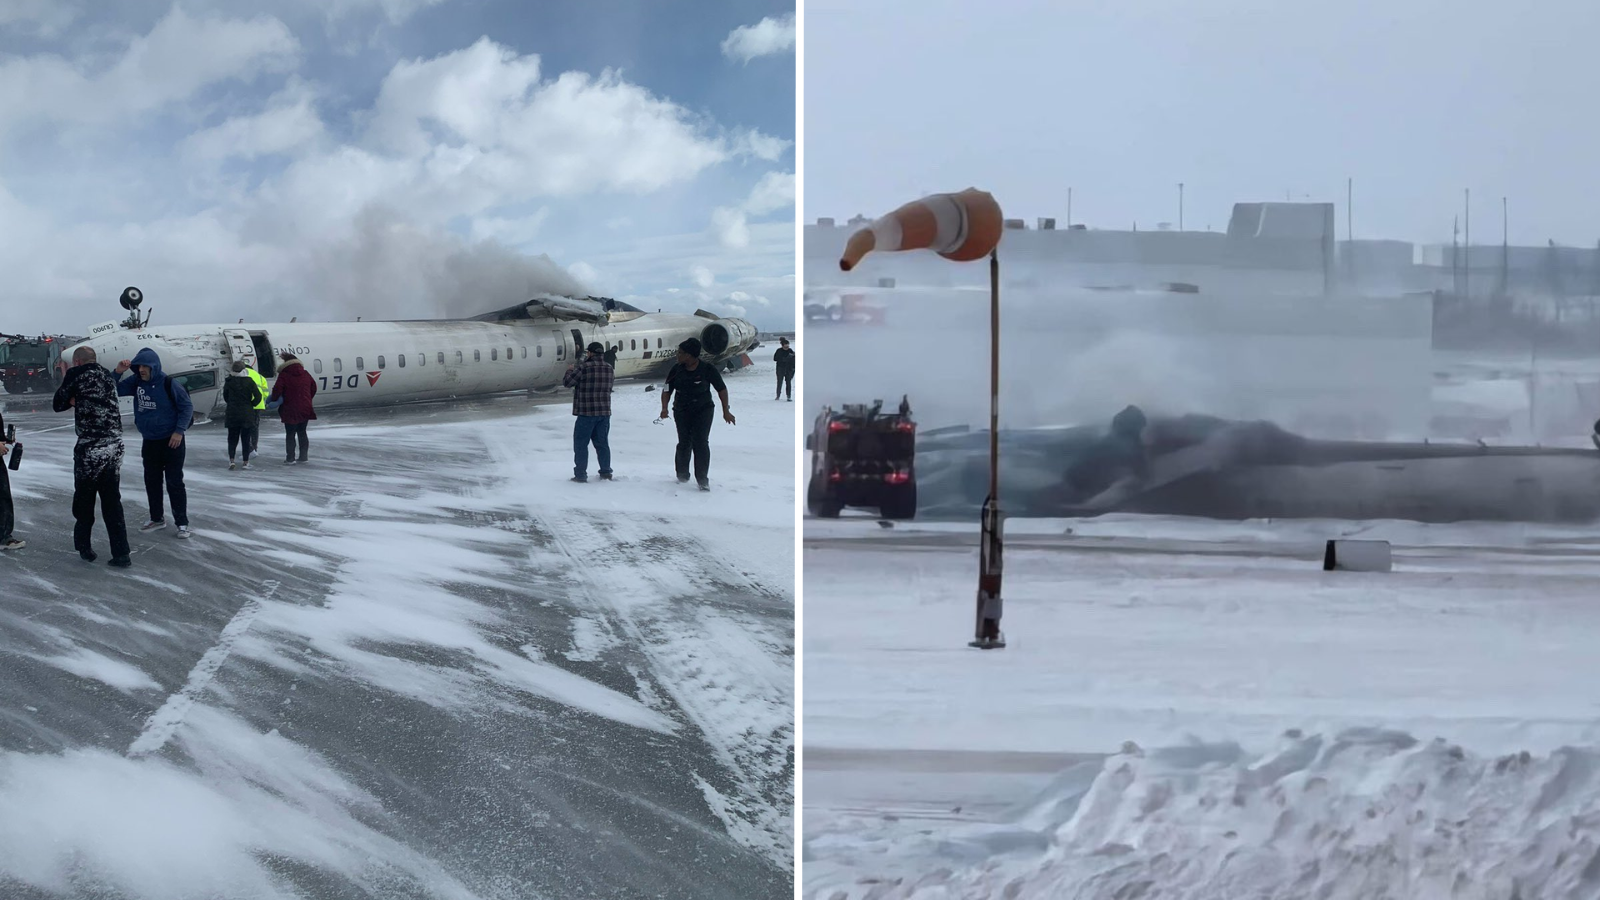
(157, 414)
(243, 398)
(295, 387)
(90, 391)
(785, 360)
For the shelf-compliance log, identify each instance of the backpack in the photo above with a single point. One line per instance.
(172, 398)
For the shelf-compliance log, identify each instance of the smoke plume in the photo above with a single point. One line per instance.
(389, 268)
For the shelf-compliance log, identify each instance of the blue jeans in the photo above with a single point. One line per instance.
(585, 430)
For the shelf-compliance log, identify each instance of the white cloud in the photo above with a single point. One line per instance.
(45, 18)
(773, 192)
(587, 274)
(761, 146)
(745, 299)
(289, 123)
(730, 227)
(483, 115)
(512, 231)
(435, 199)
(764, 38)
(395, 11)
(180, 55)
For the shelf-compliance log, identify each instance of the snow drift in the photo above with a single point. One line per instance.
(1363, 814)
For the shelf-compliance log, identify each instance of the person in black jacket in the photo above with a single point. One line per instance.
(90, 391)
(785, 360)
(242, 418)
(8, 515)
(691, 380)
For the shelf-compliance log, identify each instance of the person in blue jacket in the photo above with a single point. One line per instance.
(163, 412)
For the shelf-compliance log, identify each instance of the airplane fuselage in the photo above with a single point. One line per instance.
(377, 363)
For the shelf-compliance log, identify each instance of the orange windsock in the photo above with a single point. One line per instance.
(963, 226)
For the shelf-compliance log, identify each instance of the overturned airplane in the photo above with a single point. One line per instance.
(1216, 468)
(523, 347)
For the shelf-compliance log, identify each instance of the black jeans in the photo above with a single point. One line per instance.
(8, 514)
(108, 488)
(694, 436)
(161, 461)
(785, 380)
(245, 432)
(290, 434)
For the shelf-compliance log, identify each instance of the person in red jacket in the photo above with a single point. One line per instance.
(293, 390)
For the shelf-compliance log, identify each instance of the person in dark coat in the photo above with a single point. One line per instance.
(784, 357)
(90, 391)
(8, 515)
(242, 418)
(691, 381)
(295, 388)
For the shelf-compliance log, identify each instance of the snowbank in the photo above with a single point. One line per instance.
(1362, 814)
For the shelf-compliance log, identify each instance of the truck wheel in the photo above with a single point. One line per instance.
(818, 501)
(902, 504)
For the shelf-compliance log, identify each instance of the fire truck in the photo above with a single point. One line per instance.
(31, 363)
(862, 456)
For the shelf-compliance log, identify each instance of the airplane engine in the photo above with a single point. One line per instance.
(725, 337)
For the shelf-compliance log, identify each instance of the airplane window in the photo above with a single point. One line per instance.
(494, 353)
(458, 357)
(539, 350)
(380, 360)
(524, 352)
(658, 343)
(361, 363)
(477, 356)
(338, 364)
(197, 381)
(422, 359)
(441, 357)
(401, 358)
(316, 366)
(509, 356)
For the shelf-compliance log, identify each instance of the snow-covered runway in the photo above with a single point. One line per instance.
(935, 770)
(423, 665)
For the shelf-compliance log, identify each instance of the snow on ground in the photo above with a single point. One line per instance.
(423, 665)
(1361, 815)
(930, 764)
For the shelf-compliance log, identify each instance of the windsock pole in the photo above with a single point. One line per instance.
(964, 226)
(987, 634)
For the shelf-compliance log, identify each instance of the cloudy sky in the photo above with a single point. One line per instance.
(1239, 99)
(393, 158)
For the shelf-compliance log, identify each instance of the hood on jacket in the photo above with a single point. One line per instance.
(148, 357)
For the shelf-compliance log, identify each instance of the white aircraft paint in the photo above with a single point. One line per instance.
(526, 347)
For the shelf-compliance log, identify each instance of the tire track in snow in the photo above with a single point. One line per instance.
(161, 725)
(695, 654)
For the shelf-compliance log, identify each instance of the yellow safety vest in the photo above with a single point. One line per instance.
(261, 384)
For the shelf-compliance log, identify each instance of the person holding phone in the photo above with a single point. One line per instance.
(90, 391)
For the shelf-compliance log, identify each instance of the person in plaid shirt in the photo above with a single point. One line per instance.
(591, 382)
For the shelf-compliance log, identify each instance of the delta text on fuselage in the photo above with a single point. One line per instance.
(524, 347)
